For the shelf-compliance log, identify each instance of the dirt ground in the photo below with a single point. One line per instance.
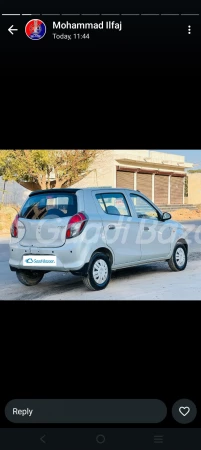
(7, 214)
(186, 214)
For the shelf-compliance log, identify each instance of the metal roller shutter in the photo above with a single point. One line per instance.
(161, 189)
(144, 184)
(125, 179)
(176, 196)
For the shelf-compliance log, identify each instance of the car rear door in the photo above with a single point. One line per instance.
(120, 227)
(45, 218)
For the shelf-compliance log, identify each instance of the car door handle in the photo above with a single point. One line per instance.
(111, 227)
(146, 228)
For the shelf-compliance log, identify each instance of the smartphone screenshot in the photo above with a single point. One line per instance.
(101, 37)
(100, 261)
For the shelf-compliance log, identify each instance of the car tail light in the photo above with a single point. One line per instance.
(76, 225)
(14, 227)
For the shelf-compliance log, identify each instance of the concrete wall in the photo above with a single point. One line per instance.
(102, 171)
(15, 194)
(161, 156)
(130, 154)
(194, 188)
(157, 157)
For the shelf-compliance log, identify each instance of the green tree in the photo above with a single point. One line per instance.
(32, 168)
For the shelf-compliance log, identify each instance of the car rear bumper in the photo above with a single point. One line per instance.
(80, 272)
(72, 257)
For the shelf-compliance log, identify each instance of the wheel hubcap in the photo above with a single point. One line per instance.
(100, 271)
(180, 257)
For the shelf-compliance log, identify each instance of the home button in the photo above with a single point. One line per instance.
(100, 439)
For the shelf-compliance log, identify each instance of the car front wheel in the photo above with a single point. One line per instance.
(179, 259)
(99, 272)
(29, 277)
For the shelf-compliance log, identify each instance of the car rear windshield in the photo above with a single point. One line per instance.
(49, 206)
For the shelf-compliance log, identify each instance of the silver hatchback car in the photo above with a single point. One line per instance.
(91, 232)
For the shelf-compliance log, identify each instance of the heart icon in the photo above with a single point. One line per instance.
(184, 410)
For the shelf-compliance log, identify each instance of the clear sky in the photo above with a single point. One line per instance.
(192, 156)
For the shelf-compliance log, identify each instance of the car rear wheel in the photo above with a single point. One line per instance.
(99, 272)
(179, 258)
(29, 277)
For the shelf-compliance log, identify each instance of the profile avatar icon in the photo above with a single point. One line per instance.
(35, 29)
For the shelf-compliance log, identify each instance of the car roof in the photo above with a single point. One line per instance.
(74, 190)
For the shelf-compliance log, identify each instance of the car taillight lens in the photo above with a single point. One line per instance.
(14, 227)
(76, 225)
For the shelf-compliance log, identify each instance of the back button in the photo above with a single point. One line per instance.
(12, 30)
(42, 439)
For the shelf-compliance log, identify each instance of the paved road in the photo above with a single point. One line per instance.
(153, 281)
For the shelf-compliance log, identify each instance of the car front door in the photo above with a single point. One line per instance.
(154, 234)
(120, 228)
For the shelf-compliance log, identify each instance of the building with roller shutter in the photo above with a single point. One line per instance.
(158, 175)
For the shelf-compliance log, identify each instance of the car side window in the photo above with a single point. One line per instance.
(143, 208)
(113, 204)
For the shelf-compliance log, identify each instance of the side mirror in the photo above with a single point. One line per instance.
(166, 216)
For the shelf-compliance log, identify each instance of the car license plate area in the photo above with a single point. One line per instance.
(39, 260)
